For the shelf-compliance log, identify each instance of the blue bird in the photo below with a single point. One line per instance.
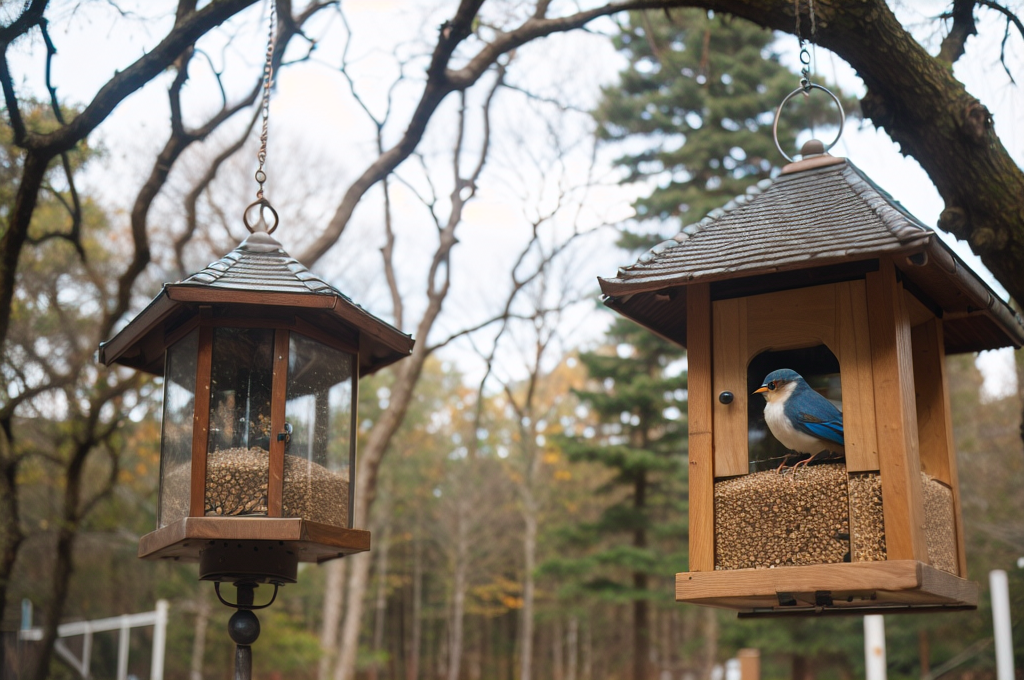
(800, 418)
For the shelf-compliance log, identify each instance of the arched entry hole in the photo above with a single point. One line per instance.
(818, 366)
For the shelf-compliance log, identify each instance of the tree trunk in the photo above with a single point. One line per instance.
(557, 649)
(572, 647)
(334, 591)
(458, 588)
(641, 624)
(924, 652)
(710, 642)
(11, 536)
(412, 664)
(529, 564)
(199, 636)
(802, 669)
(381, 604)
(476, 659)
(513, 636)
(588, 651)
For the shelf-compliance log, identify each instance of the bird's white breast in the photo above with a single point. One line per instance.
(792, 438)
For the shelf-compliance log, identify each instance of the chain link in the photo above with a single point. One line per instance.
(268, 80)
(805, 55)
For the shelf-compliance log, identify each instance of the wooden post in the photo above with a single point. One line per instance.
(701, 448)
(279, 392)
(934, 420)
(201, 422)
(729, 368)
(896, 416)
(750, 664)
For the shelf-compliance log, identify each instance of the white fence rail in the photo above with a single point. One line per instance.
(124, 624)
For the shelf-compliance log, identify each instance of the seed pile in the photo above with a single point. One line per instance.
(866, 518)
(939, 524)
(766, 519)
(818, 515)
(313, 492)
(236, 484)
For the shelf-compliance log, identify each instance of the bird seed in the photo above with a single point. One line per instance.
(818, 515)
(236, 484)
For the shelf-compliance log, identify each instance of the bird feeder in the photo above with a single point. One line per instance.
(822, 272)
(261, 361)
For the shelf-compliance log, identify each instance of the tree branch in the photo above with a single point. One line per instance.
(963, 28)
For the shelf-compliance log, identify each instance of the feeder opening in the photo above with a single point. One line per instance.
(818, 366)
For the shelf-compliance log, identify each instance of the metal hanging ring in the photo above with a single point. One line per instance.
(799, 90)
(263, 204)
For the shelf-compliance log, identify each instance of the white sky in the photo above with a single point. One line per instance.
(320, 140)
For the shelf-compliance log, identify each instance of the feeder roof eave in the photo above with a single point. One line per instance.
(256, 274)
(779, 228)
(382, 343)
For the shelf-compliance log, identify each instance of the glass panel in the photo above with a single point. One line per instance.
(319, 413)
(238, 453)
(176, 438)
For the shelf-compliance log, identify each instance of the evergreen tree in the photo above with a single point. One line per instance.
(700, 94)
(640, 438)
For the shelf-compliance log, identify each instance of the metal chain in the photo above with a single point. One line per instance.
(268, 80)
(805, 55)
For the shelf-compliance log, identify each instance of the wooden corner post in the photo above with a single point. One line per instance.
(701, 446)
(896, 416)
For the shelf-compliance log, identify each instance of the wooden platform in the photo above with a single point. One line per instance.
(857, 588)
(311, 541)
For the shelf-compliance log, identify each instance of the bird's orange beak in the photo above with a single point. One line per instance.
(760, 389)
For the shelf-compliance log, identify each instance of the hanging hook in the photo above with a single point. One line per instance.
(778, 114)
(264, 206)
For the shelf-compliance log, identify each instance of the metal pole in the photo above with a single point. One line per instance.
(156, 668)
(874, 646)
(244, 628)
(999, 590)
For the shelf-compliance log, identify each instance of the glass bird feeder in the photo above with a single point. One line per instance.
(261, 361)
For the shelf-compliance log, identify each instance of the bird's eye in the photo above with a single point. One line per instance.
(771, 385)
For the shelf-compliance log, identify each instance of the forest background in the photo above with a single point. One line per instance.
(526, 466)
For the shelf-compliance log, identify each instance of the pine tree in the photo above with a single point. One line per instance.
(641, 440)
(699, 95)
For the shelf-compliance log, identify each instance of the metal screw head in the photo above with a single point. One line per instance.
(725, 397)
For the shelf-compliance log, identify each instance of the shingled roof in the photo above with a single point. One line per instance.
(820, 214)
(256, 278)
(260, 263)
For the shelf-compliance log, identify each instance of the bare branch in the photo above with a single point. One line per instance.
(441, 81)
(963, 28)
(192, 198)
(30, 18)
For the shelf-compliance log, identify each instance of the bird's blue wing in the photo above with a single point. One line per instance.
(815, 415)
(831, 430)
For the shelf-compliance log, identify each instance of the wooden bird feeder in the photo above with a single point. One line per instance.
(822, 272)
(261, 361)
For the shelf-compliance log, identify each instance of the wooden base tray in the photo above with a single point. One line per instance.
(311, 541)
(857, 588)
